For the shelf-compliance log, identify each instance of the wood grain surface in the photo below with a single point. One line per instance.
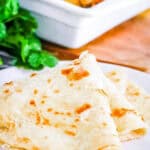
(127, 45)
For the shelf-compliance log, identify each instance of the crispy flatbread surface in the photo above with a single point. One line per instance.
(129, 122)
(63, 108)
(136, 95)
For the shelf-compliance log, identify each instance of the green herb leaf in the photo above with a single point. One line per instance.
(17, 35)
(26, 22)
(2, 31)
(48, 59)
(8, 8)
(34, 60)
(29, 44)
(34, 43)
(14, 42)
(1, 61)
(23, 23)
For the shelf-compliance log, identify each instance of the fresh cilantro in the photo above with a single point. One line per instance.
(8, 8)
(17, 35)
(2, 31)
(1, 61)
(34, 60)
(38, 60)
(48, 60)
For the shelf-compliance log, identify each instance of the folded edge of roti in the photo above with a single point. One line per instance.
(129, 122)
(137, 96)
(63, 108)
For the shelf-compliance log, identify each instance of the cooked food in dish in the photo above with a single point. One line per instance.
(84, 3)
(70, 107)
(134, 94)
(63, 108)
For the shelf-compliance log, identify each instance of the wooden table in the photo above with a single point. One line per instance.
(127, 45)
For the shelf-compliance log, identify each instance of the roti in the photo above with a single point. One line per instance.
(62, 108)
(130, 124)
(137, 96)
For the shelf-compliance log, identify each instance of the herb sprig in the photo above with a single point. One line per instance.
(17, 36)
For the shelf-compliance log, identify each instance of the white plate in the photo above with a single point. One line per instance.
(140, 78)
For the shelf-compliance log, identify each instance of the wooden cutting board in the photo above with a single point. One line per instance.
(127, 45)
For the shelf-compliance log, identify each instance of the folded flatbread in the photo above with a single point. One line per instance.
(137, 96)
(63, 108)
(130, 124)
(119, 78)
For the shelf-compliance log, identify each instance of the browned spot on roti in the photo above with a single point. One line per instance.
(56, 113)
(46, 122)
(6, 91)
(23, 140)
(32, 102)
(102, 92)
(7, 126)
(38, 118)
(62, 113)
(18, 90)
(35, 91)
(73, 126)
(8, 83)
(71, 84)
(67, 71)
(56, 91)
(142, 118)
(35, 148)
(70, 133)
(33, 75)
(137, 93)
(49, 80)
(2, 142)
(42, 101)
(104, 124)
(119, 112)
(117, 80)
(49, 109)
(57, 125)
(75, 74)
(68, 113)
(44, 96)
(113, 73)
(140, 131)
(83, 108)
(77, 120)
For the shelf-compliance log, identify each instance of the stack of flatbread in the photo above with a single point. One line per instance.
(70, 107)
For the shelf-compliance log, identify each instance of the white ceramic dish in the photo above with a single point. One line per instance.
(139, 77)
(72, 26)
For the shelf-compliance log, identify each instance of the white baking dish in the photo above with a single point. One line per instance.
(72, 26)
